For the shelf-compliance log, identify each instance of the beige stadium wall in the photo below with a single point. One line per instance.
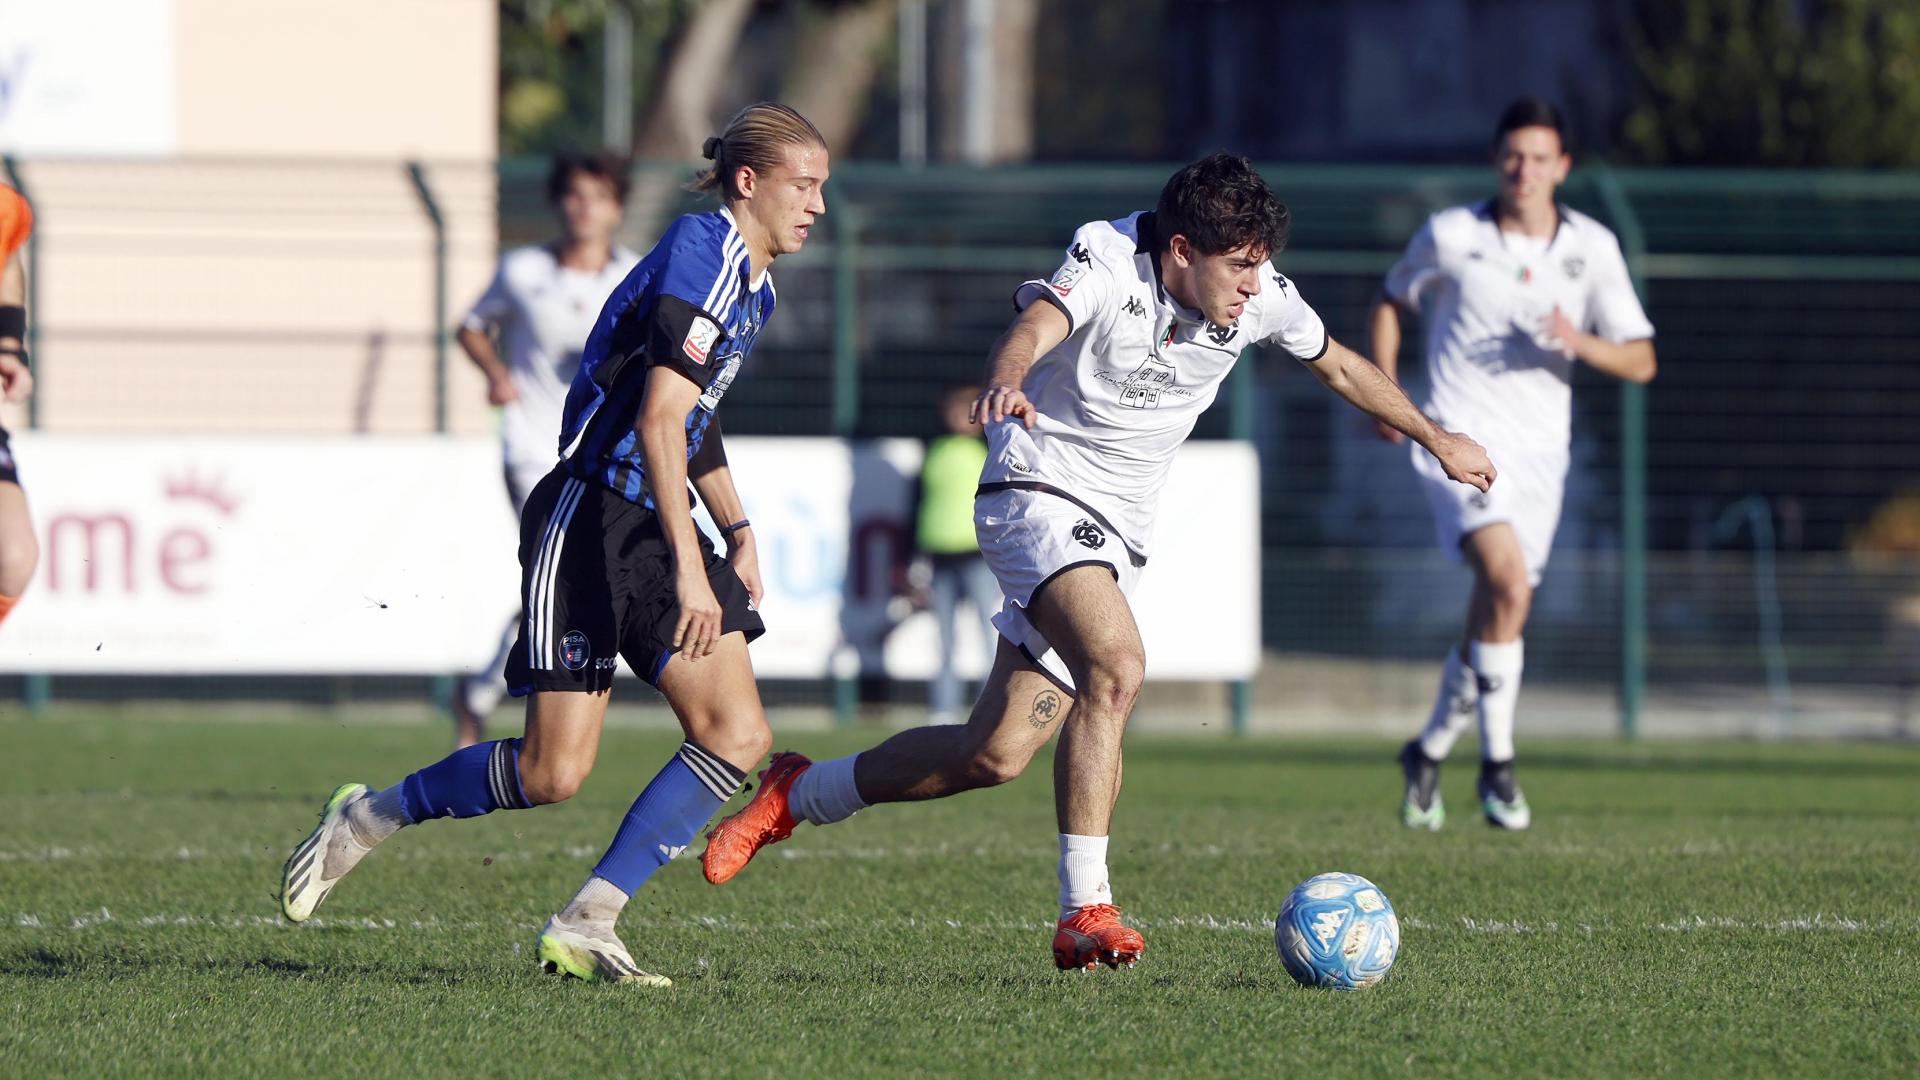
(276, 274)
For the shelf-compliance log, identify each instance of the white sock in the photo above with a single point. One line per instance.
(598, 903)
(1498, 666)
(1453, 706)
(1083, 872)
(378, 816)
(826, 793)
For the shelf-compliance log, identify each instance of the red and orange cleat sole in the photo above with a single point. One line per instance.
(764, 820)
(1095, 935)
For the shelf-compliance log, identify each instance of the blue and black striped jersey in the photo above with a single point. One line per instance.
(689, 305)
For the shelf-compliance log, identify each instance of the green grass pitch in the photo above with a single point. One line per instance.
(1728, 909)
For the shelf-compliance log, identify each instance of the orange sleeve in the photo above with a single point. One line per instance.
(16, 222)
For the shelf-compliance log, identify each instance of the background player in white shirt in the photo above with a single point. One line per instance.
(1510, 289)
(541, 306)
(1089, 395)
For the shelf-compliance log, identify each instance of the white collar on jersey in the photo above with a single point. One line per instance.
(1147, 242)
(754, 285)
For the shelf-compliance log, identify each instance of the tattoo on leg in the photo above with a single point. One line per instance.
(1046, 706)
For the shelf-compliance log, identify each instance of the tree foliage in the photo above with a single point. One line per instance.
(1776, 82)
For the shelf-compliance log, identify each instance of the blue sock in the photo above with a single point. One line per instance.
(466, 783)
(665, 817)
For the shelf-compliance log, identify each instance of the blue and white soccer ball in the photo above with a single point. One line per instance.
(1337, 930)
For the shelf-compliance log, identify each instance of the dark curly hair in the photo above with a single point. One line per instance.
(605, 164)
(1531, 112)
(1221, 204)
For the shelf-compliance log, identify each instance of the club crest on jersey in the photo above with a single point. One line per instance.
(1221, 334)
(700, 338)
(574, 652)
(1573, 266)
(1089, 535)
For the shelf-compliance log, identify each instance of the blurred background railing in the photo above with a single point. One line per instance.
(1773, 478)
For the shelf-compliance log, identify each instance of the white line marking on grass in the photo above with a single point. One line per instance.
(857, 919)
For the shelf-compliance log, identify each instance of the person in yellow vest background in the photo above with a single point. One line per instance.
(945, 546)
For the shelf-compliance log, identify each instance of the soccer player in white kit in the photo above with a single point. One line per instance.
(1089, 394)
(1514, 290)
(541, 304)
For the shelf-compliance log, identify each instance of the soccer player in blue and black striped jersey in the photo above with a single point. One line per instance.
(612, 564)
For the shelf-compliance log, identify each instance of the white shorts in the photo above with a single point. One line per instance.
(1526, 495)
(1031, 537)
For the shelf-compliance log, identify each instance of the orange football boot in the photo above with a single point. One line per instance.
(764, 820)
(1095, 934)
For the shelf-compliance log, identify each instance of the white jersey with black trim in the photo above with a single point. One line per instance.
(1487, 296)
(1123, 391)
(543, 312)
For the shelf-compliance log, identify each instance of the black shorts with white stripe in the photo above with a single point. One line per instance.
(596, 581)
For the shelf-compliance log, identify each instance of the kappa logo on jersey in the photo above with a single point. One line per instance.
(1080, 254)
(1221, 334)
(1280, 282)
(1089, 535)
(1573, 266)
(700, 338)
(574, 651)
(1133, 306)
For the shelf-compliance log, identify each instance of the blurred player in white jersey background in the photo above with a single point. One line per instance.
(1514, 290)
(525, 334)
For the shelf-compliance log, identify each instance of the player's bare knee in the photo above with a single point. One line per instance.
(547, 781)
(1511, 594)
(1114, 682)
(741, 738)
(990, 766)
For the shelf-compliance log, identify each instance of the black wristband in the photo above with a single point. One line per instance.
(13, 320)
(729, 530)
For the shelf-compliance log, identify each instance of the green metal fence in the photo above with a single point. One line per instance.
(1735, 552)
(1714, 551)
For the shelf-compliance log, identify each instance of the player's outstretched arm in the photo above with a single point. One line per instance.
(661, 427)
(1354, 378)
(1034, 333)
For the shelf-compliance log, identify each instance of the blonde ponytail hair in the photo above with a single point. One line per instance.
(757, 138)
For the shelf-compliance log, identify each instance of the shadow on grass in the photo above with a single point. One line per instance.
(122, 961)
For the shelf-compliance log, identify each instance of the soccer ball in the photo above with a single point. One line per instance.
(1337, 930)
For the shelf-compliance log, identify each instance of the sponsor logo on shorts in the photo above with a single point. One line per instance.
(1088, 534)
(1479, 500)
(574, 651)
(700, 338)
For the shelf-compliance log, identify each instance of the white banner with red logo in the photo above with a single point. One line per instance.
(396, 555)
